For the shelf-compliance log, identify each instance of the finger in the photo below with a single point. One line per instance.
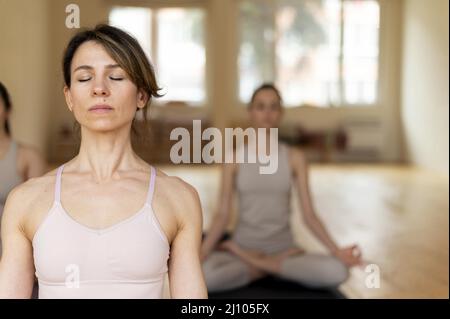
(356, 251)
(354, 247)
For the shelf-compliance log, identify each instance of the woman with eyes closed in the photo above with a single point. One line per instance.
(105, 224)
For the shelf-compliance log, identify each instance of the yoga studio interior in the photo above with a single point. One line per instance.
(364, 87)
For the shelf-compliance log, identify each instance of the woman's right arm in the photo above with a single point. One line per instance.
(16, 264)
(222, 216)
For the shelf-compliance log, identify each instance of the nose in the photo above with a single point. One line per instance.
(100, 88)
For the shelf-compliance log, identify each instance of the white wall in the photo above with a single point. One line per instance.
(425, 101)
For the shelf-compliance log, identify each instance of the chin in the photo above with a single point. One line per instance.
(103, 128)
(269, 126)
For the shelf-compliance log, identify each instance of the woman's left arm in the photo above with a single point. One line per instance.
(299, 163)
(186, 279)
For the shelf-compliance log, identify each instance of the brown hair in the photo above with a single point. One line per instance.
(265, 86)
(127, 52)
(4, 95)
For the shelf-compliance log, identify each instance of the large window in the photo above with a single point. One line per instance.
(319, 52)
(174, 40)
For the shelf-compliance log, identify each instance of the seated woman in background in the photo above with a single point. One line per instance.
(18, 162)
(262, 242)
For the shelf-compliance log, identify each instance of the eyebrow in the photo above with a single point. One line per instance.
(88, 67)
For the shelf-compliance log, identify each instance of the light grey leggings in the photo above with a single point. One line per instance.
(225, 271)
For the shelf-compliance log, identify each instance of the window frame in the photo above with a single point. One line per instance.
(161, 4)
(343, 104)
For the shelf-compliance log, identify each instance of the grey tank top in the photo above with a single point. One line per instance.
(264, 206)
(9, 178)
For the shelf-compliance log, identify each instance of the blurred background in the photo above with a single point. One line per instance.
(365, 86)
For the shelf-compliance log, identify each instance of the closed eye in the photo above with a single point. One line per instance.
(84, 80)
(116, 79)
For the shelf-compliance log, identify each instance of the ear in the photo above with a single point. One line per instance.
(68, 97)
(142, 98)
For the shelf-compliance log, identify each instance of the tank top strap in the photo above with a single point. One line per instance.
(58, 184)
(151, 187)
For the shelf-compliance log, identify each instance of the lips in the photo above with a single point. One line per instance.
(100, 107)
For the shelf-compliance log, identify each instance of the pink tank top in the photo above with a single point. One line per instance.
(126, 260)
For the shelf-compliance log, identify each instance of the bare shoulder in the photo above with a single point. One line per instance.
(27, 201)
(30, 190)
(176, 189)
(232, 167)
(297, 156)
(179, 196)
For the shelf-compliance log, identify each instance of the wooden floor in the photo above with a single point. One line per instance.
(397, 214)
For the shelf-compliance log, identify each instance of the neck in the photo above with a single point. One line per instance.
(269, 140)
(105, 154)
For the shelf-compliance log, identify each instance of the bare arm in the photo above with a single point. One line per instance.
(350, 255)
(16, 264)
(222, 216)
(185, 273)
(301, 171)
